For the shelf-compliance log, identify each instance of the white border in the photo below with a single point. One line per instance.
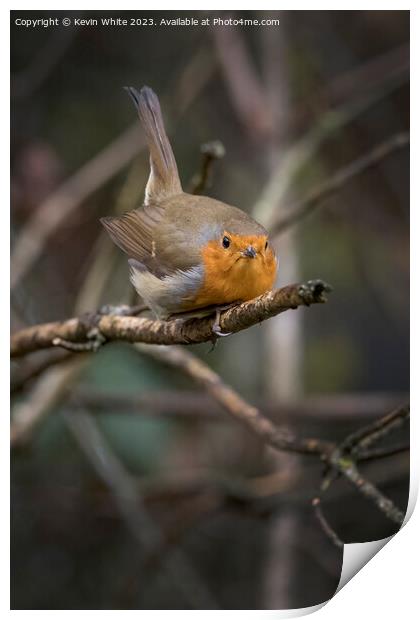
(387, 586)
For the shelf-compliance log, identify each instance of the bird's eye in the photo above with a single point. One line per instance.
(226, 242)
(266, 245)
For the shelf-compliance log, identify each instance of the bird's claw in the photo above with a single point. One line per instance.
(94, 341)
(217, 331)
(215, 328)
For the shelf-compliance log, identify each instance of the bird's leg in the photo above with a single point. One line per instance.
(216, 329)
(204, 312)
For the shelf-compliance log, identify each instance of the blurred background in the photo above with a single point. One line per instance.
(132, 489)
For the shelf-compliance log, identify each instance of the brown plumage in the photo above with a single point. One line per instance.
(187, 252)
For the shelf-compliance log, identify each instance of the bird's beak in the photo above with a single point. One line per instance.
(250, 252)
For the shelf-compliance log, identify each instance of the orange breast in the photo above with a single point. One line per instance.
(230, 277)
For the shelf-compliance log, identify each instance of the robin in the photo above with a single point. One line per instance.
(188, 255)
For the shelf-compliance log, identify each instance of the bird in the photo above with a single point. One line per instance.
(189, 255)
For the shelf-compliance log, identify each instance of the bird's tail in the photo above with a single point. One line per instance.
(164, 178)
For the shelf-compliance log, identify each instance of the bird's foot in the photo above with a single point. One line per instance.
(215, 328)
(94, 341)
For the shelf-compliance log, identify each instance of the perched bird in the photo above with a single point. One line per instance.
(189, 255)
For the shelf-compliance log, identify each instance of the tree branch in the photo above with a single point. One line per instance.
(211, 152)
(340, 178)
(177, 331)
(33, 369)
(52, 386)
(330, 532)
(382, 453)
(279, 438)
(337, 457)
(327, 410)
(348, 468)
(366, 436)
(342, 460)
(305, 149)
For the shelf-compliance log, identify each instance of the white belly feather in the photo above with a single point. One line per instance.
(169, 294)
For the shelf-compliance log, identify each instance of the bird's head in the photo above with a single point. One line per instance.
(244, 265)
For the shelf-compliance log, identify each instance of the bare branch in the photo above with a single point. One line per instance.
(385, 68)
(177, 331)
(338, 180)
(50, 389)
(34, 369)
(211, 152)
(279, 438)
(330, 532)
(348, 468)
(243, 83)
(381, 453)
(305, 149)
(343, 459)
(327, 410)
(366, 436)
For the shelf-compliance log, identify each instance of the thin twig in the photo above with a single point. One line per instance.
(328, 478)
(325, 190)
(369, 434)
(381, 453)
(53, 386)
(343, 459)
(330, 532)
(375, 74)
(211, 152)
(348, 468)
(383, 68)
(305, 149)
(243, 83)
(33, 369)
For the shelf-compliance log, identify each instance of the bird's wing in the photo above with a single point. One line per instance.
(134, 233)
(153, 239)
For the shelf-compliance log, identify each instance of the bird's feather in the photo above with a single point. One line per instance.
(168, 295)
(164, 178)
(134, 233)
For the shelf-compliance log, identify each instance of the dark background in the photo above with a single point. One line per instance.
(330, 85)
